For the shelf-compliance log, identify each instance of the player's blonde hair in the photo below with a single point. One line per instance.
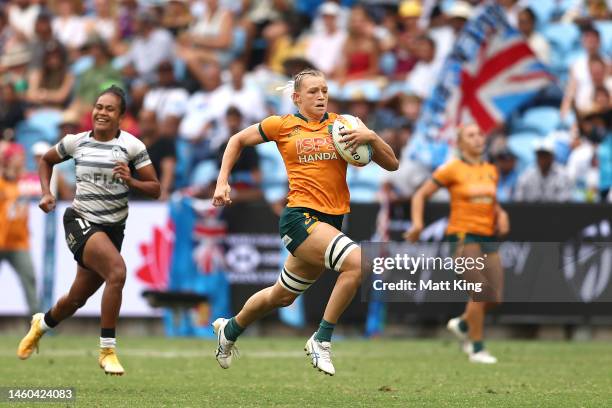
(299, 77)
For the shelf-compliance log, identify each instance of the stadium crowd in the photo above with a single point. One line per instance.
(197, 71)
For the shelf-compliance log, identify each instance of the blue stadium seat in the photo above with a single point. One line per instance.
(541, 120)
(364, 183)
(564, 39)
(605, 30)
(41, 126)
(47, 121)
(522, 145)
(205, 172)
(274, 179)
(543, 10)
(31, 131)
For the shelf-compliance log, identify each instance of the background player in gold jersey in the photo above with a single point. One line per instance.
(310, 224)
(475, 219)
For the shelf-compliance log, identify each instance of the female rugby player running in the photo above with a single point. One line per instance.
(475, 218)
(310, 224)
(95, 223)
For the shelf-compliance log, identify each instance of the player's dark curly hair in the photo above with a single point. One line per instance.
(119, 93)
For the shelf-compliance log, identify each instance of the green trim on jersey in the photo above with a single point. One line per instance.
(263, 135)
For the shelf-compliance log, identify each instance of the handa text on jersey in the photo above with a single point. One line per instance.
(307, 158)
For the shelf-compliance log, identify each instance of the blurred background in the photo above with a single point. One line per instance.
(536, 75)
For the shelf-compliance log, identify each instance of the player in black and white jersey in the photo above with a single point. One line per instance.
(95, 222)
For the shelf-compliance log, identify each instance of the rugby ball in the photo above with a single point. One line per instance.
(363, 153)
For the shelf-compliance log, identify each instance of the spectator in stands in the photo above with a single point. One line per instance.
(325, 47)
(99, 76)
(546, 181)
(14, 234)
(290, 44)
(43, 38)
(582, 164)
(65, 172)
(50, 86)
(200, 104)
(104, 23)
(263, 23)
(8, 35)
(420, 78)
(404, 57)
(597, 125)
(150, 47)
(245, 177)
(512, 9)
(126, 21)
(505, 161)
(588, 10)
(12, 110)
(162, 152)
(167, 100)
(582, 95)
(69, 26)
(211, 36)
(601, 100)
(22, 16)
(14, 67)
(580, 76)
(410, 12)
(177, 17)
(456, 16)
(248, 99)
(539, 45)
(361, 52)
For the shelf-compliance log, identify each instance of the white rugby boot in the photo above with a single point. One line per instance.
(453, 327)
(225, 348)
(482, 357)
(320, 355)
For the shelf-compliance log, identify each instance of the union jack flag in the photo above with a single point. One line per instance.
(505, 75)
(490, 72)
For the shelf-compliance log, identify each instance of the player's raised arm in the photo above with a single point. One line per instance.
(45, 170)
(247, 137)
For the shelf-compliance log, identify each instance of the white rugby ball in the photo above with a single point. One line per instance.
(363, 153)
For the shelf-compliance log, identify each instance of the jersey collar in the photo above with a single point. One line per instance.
(116, 136)
(463, 159)
(323, 119)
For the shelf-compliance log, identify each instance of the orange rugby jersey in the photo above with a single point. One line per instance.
(316, 173)
(472, 189)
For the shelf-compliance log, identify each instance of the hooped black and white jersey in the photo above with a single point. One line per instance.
(102, 197)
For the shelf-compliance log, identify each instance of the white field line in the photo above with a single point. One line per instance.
(145, 353)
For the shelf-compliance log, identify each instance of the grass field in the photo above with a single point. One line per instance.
(275, 372)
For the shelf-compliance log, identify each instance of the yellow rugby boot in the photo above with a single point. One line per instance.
(29, 343)
(109, 362)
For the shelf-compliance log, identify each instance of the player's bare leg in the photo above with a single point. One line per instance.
(85, 284)
(263, 302)
(101, 255)
(469, 327)
(342, 255)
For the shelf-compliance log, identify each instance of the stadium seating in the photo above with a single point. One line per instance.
(564, 40)
(540, 120)
(522, 145)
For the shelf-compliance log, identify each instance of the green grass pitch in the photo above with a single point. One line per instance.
(275, 372)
